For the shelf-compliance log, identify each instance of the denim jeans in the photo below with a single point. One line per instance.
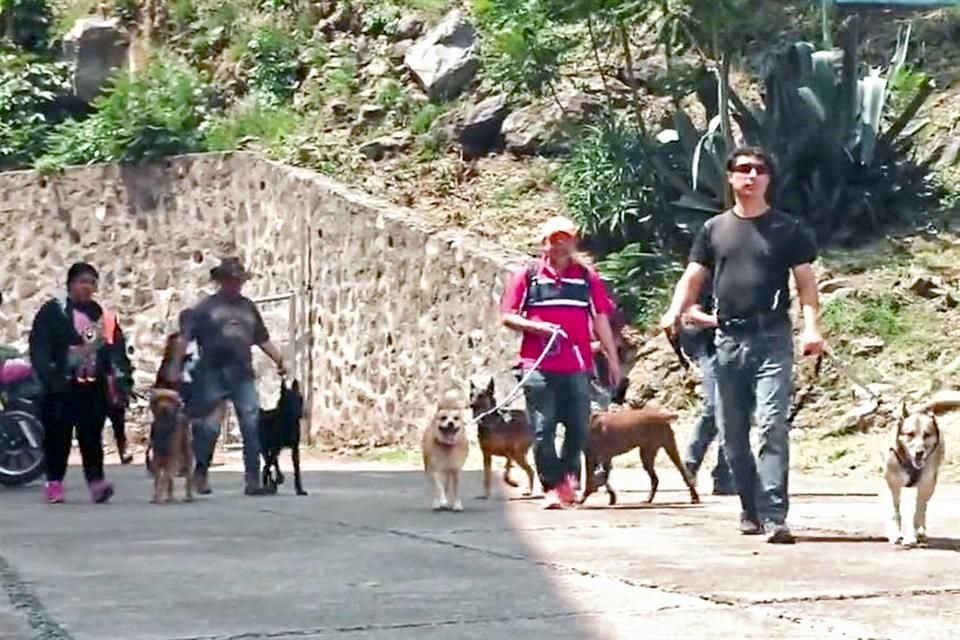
(552, 398)
(212, 386)
(706, 428)
(755, 373)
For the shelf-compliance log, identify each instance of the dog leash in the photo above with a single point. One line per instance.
(557, 332)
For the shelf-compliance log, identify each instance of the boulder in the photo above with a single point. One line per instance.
(378, 148)
(409, 27)
(444, 61)
(480, 130)
(544, 128)
(96, 47)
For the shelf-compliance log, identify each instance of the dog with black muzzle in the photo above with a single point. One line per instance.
(913, 461)
(445, 449)
(280, 429)
(171, 442)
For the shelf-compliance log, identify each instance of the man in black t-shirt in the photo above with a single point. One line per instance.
(751, 250)
(226, 326)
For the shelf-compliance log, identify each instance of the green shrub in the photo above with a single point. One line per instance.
(274, 69)
(155, 113)
(265, 126)
(26, 24)
(29, 91)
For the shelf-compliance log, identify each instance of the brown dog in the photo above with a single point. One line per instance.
(507, 434)
(171, 443)
(445, 449)
(613, 433)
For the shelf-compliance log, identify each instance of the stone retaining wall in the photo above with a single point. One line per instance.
(380, 310)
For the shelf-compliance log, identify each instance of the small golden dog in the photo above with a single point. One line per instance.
(171, 442)
(445, 450)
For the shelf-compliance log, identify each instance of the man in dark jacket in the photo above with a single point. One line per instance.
(76, 345)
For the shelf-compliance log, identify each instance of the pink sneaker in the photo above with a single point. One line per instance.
(567, 490)
(53, 492)
(551, 500)
(100, 491)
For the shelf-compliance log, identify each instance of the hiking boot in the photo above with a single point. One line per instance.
(101, 491)
(780, 534)
(552, 501)
(724, 489)
(750, 527)
(200, 484)
(53, 492)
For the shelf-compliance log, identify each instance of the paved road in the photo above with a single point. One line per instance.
(362, 558)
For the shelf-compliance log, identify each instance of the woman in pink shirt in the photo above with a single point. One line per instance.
(559, 294)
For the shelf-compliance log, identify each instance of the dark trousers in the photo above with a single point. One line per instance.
(81, 409)
(552, 398)
(117, 414)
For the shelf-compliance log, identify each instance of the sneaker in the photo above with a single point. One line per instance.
(567, 490)
(53, 491)
(780, 534)
(101, 491)
(551, 500)
(749, 527)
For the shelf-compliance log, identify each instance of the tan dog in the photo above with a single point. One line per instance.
(171, 442)
(613, 433)
(913, 462)
(502, 433)
(445, 451)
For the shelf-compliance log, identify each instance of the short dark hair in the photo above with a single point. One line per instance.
(78, 269)
(756, 152)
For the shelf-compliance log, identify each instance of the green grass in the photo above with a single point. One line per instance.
(269, 126)
(881, 316)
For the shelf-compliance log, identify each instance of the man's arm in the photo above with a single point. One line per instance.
(685, 294)
(809, 296)
(510, 315)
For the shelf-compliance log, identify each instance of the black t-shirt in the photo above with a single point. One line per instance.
(751, 259)
(225, 330)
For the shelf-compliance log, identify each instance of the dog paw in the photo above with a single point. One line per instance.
(457, 505)
(301, 492)
(527, 493)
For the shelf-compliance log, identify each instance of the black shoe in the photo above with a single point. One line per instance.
(257, 490)
(724, 490)
(750, 527)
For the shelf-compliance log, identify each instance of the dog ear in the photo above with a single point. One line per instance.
(490, 386)
(473, 388)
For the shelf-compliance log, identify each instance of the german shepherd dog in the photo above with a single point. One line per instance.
(280, 429)
(613, 433)
(503, 433)
(171, 444)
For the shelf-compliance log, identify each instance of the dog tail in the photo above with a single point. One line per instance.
(942, 401)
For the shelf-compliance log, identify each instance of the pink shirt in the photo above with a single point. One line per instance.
(571, 354)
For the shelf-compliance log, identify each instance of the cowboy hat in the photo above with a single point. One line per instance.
(230, 267)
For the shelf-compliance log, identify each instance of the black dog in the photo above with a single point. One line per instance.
(280, 429)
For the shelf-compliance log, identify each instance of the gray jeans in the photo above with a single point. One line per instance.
(211, 387)
(755, 373)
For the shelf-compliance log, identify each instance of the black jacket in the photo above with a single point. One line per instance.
(53, 333)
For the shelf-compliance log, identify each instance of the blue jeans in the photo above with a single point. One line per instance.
(706, 428)
(755, 373)
(212, 386)
(552, 398)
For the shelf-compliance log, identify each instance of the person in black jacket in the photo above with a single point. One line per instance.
(75, 346)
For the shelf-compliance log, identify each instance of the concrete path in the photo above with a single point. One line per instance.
(363, 558)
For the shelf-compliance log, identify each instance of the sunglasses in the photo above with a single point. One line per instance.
(745, 167)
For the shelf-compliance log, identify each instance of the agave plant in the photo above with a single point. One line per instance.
(838, 166)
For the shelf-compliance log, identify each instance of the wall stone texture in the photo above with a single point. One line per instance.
(378, 311)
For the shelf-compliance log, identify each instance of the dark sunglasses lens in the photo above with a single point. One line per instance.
(745, 168)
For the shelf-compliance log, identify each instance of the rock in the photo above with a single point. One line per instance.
(834, 284)
(96, 47)
(480, 130)
(652, 73)
(338, 107)
(398, 50)
(343, 19)
(926, 287)
(544, 128)
(867, 346)
(860, 418)
(376, 149)
(378, 68)
(410, 27)
(370, 112)
(444, 61)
